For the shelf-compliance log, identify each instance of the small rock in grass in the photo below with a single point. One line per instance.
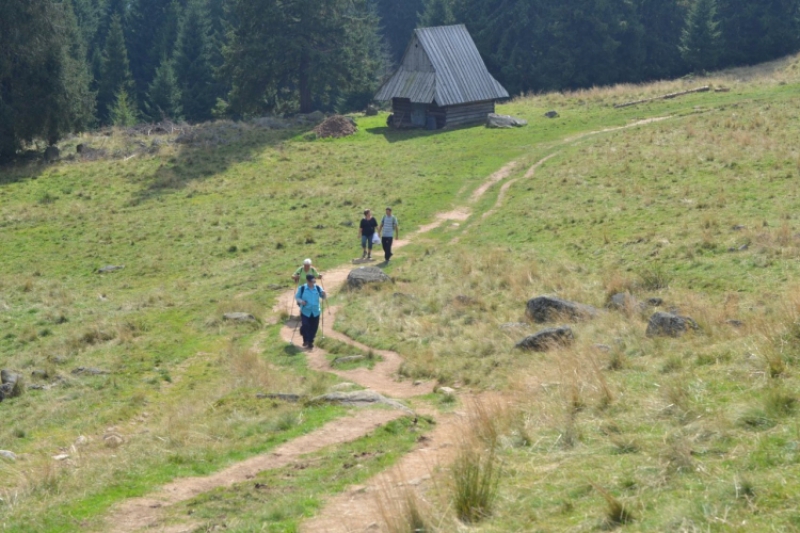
(81, 440)
(61, 457)
(113, 440)
(547, 308)
(514, 325)
(663, 324)
(546, 339)
(109, 268)
(551, 114)
(239, 317)
(447, 391)
(89, 371)
(8, 455)
(286, 397)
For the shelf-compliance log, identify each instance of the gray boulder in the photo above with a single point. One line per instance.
(363, 275)
(9, 455)
(548, 308)
(504, 121)
(663, 324)
(621, 300)
(546, 339)
(371, 110)
(10, 384)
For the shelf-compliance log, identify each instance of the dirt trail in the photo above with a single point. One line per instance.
(359, 508)
(140, 513)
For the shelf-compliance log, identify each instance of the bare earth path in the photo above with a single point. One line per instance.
(357, 509)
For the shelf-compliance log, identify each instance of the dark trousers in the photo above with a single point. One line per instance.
(309, 327)
(387, 247)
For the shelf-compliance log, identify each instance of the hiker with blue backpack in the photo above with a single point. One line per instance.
(309, 297)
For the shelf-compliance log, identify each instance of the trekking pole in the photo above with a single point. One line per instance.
(322, 315)
(299, 319)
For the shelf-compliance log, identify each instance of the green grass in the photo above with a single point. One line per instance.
(220, 226)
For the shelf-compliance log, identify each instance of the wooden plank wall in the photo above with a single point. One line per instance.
(401, 107)
(472, 113)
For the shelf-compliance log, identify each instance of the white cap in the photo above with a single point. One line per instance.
(307, 262)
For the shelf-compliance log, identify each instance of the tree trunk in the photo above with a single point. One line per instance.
(305, 91)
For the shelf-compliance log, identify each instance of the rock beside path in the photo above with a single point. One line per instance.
(360, 398)
(363, 275)
(663, 324)
(504, 121)
(549, 308)
(546, 339)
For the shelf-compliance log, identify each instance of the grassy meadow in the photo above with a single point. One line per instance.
(699, 209)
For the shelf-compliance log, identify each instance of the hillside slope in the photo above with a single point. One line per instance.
(168, 389)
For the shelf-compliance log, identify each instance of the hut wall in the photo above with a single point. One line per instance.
(401, 107)
(471, 113)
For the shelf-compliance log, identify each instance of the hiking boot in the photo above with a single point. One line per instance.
(369, 257)
(363, 255)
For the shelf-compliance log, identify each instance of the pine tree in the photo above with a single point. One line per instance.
(700, 41)
(298, 55)
(192, 64)
(115, 75)
(164, 97)
(436, 13)
(123, 113)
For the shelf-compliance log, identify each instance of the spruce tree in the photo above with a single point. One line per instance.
(164, 97)
(144, 35)
(123, 113)
(115, 75)
(436, 13)
(193, 66)
(298, 55)
(701, 38)
(398, 18)
(43, 91)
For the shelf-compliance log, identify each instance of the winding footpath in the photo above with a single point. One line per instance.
(359, 508)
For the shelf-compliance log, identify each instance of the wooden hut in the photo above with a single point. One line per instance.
(442, 82)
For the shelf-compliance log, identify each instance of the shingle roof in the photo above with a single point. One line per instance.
(459, 73)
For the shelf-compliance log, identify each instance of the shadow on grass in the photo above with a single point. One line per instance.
(208, 150)
(393, 135)
(292, 349)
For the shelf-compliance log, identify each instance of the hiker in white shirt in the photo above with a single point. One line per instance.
(388, 230)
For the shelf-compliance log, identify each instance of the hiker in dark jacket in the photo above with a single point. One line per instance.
(366, 231)
(309, 297)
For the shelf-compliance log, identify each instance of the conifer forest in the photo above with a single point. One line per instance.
(71, 65)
